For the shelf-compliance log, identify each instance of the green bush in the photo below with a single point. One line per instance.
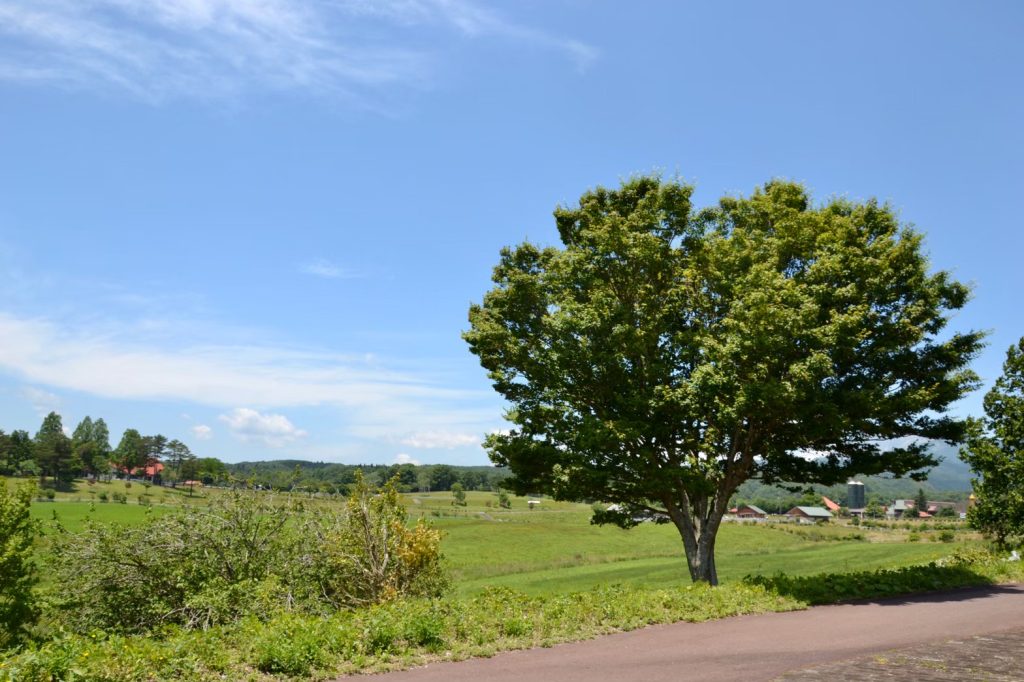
(103, 496)
(290, 645)
(18, 607)
(196, 567)
(366, 553)
(245, 554)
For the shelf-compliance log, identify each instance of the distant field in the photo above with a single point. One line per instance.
(554, 548)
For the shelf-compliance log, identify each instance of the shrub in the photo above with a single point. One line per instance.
(290, 645)
(366, 553)
(240, 556)
(17, 572)
(103, 496)
(947, 536)
(196, 567)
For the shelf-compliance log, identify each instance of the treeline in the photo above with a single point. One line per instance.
(88, 452)
(330, 477)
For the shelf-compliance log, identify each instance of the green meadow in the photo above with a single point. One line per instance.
(553, 548)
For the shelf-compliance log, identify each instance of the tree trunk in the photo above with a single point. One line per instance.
(698, 520)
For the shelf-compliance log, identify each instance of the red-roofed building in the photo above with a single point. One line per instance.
(150, 471)
(830, 505)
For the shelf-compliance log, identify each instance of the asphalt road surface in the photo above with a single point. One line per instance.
(750, 648)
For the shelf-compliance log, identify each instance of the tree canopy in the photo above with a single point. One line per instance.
(995, 451)
(664, 355)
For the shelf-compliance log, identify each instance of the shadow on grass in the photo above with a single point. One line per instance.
(894, 586)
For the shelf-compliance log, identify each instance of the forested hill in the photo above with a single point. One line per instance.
(950, 480)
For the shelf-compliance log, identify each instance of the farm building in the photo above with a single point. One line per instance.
(749, 511)
(809, 514)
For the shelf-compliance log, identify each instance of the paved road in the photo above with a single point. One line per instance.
(750, 648)
(997, 657)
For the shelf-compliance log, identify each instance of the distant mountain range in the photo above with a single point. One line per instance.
(952, 473)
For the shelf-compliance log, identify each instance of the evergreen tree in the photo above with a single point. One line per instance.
(86, 450)
(921, 501)
(52, 448)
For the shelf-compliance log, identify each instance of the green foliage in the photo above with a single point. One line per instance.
(995, 451)
(832, 588)
(131, 451)
(52, 449)
(503, 500)
(17, 571)
(458, 494)
(664, 356)
(408, 633)
(921, 501)
(196, 567)
(91, 444)
(242, 554)
(366, 553)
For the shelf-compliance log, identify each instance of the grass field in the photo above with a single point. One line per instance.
(554, 548)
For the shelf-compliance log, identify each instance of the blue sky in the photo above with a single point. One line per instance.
(257, 226)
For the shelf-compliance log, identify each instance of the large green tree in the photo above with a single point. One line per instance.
(663, 355)
(52, 448)
(91, 448)
(995, 451)
(131, 452)
(21, 453)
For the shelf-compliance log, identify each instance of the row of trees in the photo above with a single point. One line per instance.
(334, 477)
(87, 452)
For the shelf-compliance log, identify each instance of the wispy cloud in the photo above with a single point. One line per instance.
(274, 430)
(43, 402)
(156, 49)
(327, 270)
(375, 402)
(447, 440)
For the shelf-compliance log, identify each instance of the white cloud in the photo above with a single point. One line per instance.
(274, 430)
(123, 362)
(43, 402)
(202, 432)
(326, 269)
(431, 440)
(164, 48)
(402, 458)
